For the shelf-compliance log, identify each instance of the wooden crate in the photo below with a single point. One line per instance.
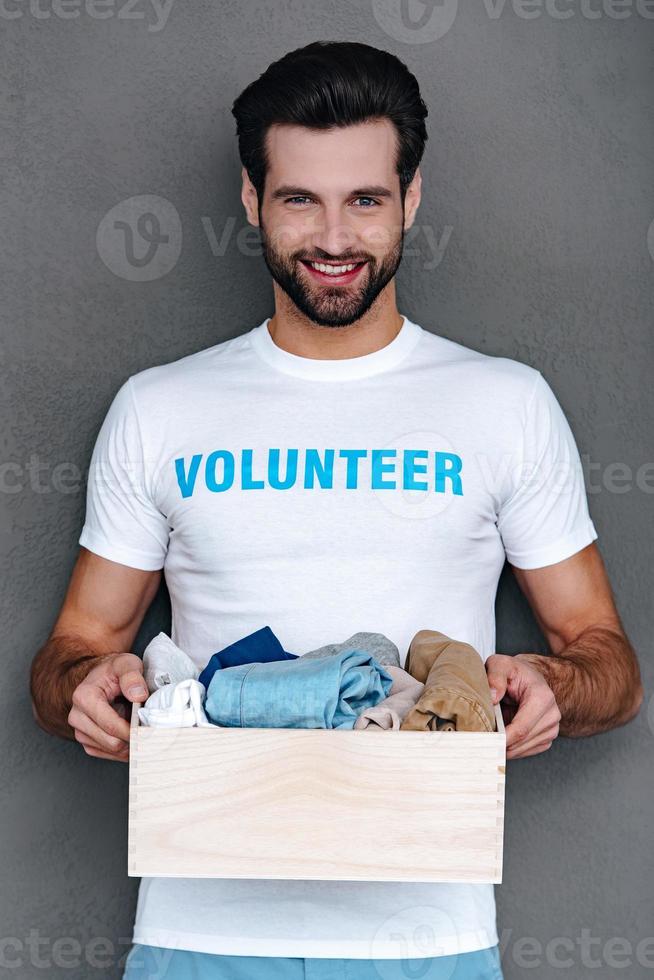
(313, 803)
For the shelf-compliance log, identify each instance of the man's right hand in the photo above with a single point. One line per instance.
(101, 705)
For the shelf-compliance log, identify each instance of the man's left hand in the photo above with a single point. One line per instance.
(528, 703)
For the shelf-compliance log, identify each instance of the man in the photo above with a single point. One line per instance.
(336, 468)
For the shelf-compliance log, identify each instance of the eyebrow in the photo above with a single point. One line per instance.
(288, 190)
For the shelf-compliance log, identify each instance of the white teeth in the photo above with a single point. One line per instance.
(333, 270)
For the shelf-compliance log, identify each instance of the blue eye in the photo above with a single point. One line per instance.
(371, 202)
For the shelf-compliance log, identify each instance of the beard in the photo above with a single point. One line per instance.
(336, 306)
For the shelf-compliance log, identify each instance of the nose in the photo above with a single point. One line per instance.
(333, 234)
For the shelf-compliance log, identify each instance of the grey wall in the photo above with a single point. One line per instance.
(538, 184)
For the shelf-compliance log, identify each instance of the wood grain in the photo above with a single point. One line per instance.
(311, 803)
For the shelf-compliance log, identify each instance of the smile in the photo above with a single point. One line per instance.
(335, 273)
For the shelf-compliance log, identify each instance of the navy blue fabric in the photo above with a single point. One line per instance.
(260, 647)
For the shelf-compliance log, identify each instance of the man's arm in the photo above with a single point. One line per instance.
(592, 671)
(84, 667)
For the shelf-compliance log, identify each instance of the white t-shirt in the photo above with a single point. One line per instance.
(377, 493)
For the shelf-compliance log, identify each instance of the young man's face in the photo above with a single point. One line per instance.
(332, 198)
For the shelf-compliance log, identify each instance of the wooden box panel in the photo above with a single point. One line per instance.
(313, 803)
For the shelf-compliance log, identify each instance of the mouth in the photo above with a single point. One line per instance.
(332, 272)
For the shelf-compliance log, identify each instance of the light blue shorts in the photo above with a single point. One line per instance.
(156, 963)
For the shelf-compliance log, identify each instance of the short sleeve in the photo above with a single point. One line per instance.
(544, 517)
(122, 523)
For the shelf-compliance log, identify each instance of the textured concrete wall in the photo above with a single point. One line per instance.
(532, 242)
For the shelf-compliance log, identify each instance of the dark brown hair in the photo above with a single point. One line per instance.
(328, 84)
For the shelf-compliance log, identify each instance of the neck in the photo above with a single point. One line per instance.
(296, 333)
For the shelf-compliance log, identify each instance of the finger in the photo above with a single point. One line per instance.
(107, 674)
(87, 742)
(91, 747)
(123, 673)
(528, 721)
(547, 734)
(129, 671)
(540, 724)
(522, 753)
(88, 728)
(498, 670)
(92, 701)
(105, 755)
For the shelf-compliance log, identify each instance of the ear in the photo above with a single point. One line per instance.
(249, 198)
(412, 199)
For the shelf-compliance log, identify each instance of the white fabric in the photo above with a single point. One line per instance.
(175, 706)
(180, 479)
(164, 663)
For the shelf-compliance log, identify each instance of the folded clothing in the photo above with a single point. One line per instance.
(164, 663)
(262, 646)
(175, 706)
(389, 714)
(376, 644)
(456, 686)
(322, 692)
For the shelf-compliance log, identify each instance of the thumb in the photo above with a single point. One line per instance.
(497, 676)
(129, 671)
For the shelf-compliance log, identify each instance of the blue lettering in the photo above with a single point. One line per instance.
(274, 478)
(451, 472)
(228, 471)
(247, 482)
(411, 467)
(187, 483)
(319, 466)
(352, 456)
(315, 467)
(379, 467)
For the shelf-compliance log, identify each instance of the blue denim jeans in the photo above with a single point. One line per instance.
(155, 963)
(328, 692)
